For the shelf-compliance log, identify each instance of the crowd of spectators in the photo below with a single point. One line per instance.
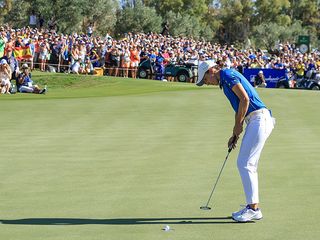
(83, 53)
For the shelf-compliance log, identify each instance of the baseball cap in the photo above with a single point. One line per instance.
(202, 69)
(24, 66)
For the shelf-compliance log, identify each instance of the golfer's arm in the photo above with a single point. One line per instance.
(243, 103)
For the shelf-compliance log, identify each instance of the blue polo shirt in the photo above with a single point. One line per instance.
(231, 77)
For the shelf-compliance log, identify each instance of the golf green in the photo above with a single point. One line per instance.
(111, 158)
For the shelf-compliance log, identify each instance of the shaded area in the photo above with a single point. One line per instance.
(117, 221)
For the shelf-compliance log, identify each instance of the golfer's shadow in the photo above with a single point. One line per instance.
(117, 221)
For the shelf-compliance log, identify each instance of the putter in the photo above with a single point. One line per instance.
(206, 207)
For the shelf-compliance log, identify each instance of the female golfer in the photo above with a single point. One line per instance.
(250, 109)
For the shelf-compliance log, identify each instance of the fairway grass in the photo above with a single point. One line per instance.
(110, 158)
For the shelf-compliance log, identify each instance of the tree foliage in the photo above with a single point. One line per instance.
(138, 19)
(228, 21)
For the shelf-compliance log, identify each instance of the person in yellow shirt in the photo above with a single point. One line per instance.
(300, 68)
(318, 63)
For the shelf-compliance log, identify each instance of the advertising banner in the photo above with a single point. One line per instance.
(272, 76)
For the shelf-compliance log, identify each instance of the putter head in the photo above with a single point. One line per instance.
(205, 208)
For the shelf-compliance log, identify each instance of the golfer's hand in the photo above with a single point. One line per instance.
(232, 143)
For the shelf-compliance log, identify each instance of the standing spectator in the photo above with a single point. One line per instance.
(43, 55)
(135, 59)
(166, 57)
(300, 68)
(82, 51)
(125, 60)
(19, 42)
(10, 44)
(114, 61)
(255, 63)
(52, 25)
(159, 68)
(278, 64)
(55, 51)
(13, 63)
(5, 76)
(36, 52)
(3, 41)
(33, 19)
(165, 29)
(41, 21)
(74, 53)
(90, 30)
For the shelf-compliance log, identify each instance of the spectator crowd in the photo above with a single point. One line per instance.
(88, 53)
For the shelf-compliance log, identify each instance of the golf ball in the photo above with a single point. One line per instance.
(166, 228)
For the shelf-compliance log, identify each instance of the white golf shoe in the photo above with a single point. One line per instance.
(247, 215)
(243, 207)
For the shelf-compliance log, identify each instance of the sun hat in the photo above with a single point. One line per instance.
(202, 69)
(3, 61)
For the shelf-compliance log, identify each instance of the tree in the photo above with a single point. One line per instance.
(16, 14)
(308, 11)
(212, 21)
(183, 24)
(236, 20)
(70, 15)
(272, 11)
(102, 13)
(267, 35)
(194, 8)
(138, 19)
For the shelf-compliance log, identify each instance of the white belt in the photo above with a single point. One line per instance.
(254, 113)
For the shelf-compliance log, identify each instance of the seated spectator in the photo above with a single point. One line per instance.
(94, 58)
(76, 67)
(5, 76)
(88, 67)
(259, 80)
(26, 84)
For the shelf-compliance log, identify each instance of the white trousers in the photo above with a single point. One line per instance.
(259, 127)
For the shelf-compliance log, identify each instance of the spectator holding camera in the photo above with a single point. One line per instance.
(26, 84)
(259, 80)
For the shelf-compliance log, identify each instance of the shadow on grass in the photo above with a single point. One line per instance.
(117, 221)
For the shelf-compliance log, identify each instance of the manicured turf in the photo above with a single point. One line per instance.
(101, 158)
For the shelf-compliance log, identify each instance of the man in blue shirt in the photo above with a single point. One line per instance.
(248, 108)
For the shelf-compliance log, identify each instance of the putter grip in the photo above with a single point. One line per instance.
(230, 147)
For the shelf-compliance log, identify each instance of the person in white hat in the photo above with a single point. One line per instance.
(259, 80)
(26, 84)
(5, 76)
(249, 109)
